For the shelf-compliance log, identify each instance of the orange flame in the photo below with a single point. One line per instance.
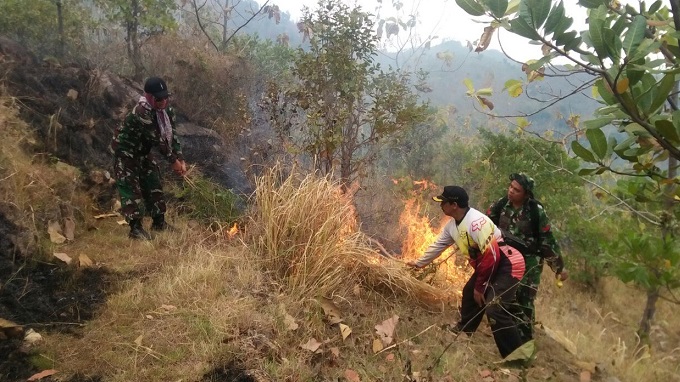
(420, 233)
(232, 231)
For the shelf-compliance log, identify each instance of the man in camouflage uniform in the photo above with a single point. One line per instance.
(150, 124)
(523, 219)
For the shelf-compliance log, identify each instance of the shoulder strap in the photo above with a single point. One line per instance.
(497, 208)
(535, 220)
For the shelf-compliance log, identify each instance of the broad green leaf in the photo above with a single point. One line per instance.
(676, 120)
(664, 88)
(554, 19)
(613, 44)
(514, 87)
(513, 7)
(484, 92)
(655, 7)
(497, 7)
(592, 4)
(587, 171)
(605, 92)
(519, 26)
(538, 11)
(564, 39)
(583, 152)
(471, 7)
(634, 35)
(598, 123)
(620, 25)
(667, 129)
(597, 37)
(637, 130)
(598, 142)
(470, 87)
(625, 145)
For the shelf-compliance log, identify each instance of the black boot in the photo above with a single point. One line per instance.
(159, 224)
(137, 231)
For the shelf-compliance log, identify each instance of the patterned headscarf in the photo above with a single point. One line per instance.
(525, 181)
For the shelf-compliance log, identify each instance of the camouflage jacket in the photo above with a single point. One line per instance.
(139, 133)
(518, 223)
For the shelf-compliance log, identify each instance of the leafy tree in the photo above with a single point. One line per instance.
(632, 55)
(341, 104)
(141, 19)
(53, 27)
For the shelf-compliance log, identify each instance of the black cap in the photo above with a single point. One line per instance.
(453, 194)
(156, 87)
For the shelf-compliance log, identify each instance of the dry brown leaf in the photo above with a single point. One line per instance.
(41, 375)
(312, 345)
(345, 331)
(69, 229)
(377, 345)
(335, 352)
(7, 324)
(485, 39)
(352, 375)
(585, 376)
(138, 340)
(102, 216)
(54, 230)
(332, 312)
(63, 257)
(486, 102)
(290, 322)
(386, 329)
(9, 329)
(85, 261)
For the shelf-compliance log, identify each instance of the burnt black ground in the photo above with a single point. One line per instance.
(46, 298)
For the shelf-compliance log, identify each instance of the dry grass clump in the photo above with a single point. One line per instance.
(306, 233)
(33, 188)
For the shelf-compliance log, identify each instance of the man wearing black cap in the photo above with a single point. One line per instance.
(150, 124)
(498, 268)
(524, 219)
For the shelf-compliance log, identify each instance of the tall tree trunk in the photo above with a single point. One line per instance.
(60, 21)
(133, 44)
(648, 316)
(225, 14)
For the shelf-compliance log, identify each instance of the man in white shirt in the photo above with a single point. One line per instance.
(498, 268)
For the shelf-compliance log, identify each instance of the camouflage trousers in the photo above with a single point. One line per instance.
(525, 311)
(139, 184)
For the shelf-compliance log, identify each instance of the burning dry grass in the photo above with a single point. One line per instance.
(306, 233)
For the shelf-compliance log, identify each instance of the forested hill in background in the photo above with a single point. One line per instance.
(447, 66)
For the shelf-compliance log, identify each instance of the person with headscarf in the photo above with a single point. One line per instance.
(525, 226)
(150, 124)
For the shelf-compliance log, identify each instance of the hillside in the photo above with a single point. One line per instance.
(260, 303)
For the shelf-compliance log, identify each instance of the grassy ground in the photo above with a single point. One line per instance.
(205, 307)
